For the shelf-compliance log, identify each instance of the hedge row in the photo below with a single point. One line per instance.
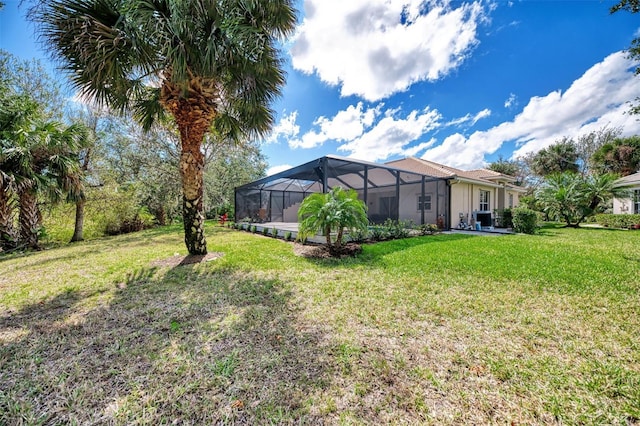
(618, 220)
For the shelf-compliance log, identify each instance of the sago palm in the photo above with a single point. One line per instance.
(211, 64)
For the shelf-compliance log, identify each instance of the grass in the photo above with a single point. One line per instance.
(446, 329)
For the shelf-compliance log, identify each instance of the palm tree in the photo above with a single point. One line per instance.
(43, 160)
(572, 197)
(211, 64)
(332, 212)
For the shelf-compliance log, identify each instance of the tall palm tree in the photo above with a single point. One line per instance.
(211, 64)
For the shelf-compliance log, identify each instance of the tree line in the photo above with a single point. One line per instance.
(60, 158)
(575, 178)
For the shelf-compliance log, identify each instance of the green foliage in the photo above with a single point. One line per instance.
(265, 231)
(253, 229)
(332, 212)
(572, 198)
(560, 157)
(288, 236)
(505, 217)
(525, 220)
(428, 229)
(506, 167)
(622, 221)
(397, 229)
(620, 156)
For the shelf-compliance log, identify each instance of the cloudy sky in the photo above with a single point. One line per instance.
(456, 82)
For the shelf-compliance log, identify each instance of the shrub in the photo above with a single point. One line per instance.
(379, 233)
(623, 221)
(253, 229)
(274, 232)
(265, 231)
(525, 220)
(359, 235)
(505, 217)
(287, 236)
(397, 229)
(428, 229)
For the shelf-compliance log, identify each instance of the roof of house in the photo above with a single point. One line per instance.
(630, 179)
(481, 176)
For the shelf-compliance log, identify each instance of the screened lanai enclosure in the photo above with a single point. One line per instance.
(388, 193)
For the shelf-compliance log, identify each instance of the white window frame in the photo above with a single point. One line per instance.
(510, 200)
(484, 202)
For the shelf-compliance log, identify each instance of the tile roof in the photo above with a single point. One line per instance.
(430, 168)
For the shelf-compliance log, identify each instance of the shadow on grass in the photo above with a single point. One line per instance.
(375, 252)
(188, 345)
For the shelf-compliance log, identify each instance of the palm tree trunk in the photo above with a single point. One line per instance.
(7, 231)
(191, 171)
(78, 229)
(29, 218)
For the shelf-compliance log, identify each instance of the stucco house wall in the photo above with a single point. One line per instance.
(629, 205)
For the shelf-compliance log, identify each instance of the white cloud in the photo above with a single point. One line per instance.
(374, 48)
(277, 169)
(479, 116)
(469, 118)
(595, 99)
(392, 136)
(286, 128)
(344, 126)
(511, 101)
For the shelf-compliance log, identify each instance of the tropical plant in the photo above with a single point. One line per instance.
(42, 158)
(572, 198)
(212, 65)
(334, 211)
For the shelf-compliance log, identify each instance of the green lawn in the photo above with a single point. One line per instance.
(446, 329)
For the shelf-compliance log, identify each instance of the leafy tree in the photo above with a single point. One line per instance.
(632, 6)
(332, 212)
(209, 64)
(621, 156)
(561, 156)
(572, 197)
(588, 144)
(226, 168)
(506, 167)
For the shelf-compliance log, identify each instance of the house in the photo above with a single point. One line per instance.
(629, 205)
(411, 189)
(476, 195)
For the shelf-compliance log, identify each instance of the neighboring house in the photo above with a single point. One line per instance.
(411, 189)
(475, 194)
(629, 205)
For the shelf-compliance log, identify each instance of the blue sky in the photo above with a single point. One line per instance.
(456, 82)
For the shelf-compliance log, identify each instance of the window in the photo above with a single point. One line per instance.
(636, 201)
(510, 200)
(484, 201)
(426, 202)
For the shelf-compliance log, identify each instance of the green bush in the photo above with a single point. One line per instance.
(287, 236)
(274, 232)
(525, 220)
(623, 221)
(253, 229)
(397, 229)
(505, 217)
(265, 231)
(428, 229)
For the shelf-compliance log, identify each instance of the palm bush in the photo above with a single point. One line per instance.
(332, 212)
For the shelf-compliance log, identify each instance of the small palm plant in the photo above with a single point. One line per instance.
(334, 212)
